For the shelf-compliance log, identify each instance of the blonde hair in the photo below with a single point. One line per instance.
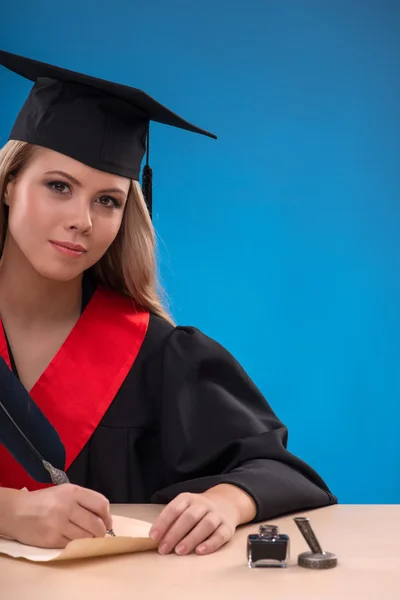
(129, 265)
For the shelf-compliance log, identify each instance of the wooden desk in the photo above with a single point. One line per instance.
(366, 540)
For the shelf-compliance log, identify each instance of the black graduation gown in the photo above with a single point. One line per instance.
(187, 418)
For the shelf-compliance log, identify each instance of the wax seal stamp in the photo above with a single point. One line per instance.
(317, 558)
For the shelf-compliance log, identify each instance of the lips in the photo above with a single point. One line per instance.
(74, 251)
(69, 246)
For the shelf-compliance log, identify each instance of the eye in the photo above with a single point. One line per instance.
(59, 186)
(109, 202)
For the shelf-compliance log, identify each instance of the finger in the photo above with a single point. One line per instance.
(169, 515)
(203, 530)
(64, 541)
(73, 532)
(58, 541)
(88, 521)
(95, 503)
(186, 522)
(220, 536)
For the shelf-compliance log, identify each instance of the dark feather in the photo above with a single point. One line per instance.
(25, 431)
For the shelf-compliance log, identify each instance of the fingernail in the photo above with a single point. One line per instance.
(181, 549)
(155, 535)
(163, 549)
(201, 549)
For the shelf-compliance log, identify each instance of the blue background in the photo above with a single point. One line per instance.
(281, 239)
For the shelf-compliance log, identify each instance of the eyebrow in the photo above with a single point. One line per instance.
(78, 183)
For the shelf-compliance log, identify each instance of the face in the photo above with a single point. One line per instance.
(64, 215)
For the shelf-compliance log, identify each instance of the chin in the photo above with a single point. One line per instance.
(58, 273)
(61, 277)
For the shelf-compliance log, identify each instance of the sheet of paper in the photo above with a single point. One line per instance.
(132, 535)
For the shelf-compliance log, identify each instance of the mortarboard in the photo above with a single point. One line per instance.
(102, 124)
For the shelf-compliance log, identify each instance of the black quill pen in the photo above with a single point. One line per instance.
(28, 435)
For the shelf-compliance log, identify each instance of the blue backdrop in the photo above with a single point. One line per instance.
(281, 239)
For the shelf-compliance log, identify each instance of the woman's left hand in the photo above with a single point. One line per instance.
(195, 522)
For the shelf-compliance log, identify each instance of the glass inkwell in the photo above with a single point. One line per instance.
(268, 547)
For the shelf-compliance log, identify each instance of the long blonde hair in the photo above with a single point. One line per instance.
(129, 265)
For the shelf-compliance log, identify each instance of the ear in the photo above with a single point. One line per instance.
(8, 190)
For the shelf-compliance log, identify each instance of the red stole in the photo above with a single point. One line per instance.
(82, 380)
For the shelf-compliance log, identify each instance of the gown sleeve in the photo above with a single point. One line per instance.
(216, 427)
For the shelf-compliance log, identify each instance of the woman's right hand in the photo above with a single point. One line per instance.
(52, 517)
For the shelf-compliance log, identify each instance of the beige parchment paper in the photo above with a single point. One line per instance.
(132, 536)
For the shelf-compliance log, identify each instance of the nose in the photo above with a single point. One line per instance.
(79, 218)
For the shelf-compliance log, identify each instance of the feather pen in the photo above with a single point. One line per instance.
(27, 433)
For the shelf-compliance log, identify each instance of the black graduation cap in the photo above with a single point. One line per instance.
(102, 124)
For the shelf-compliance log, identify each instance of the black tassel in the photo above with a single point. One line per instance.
(27, 434)
(147, 178)
(147, 187)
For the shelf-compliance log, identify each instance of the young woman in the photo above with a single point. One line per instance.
(147, 411)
